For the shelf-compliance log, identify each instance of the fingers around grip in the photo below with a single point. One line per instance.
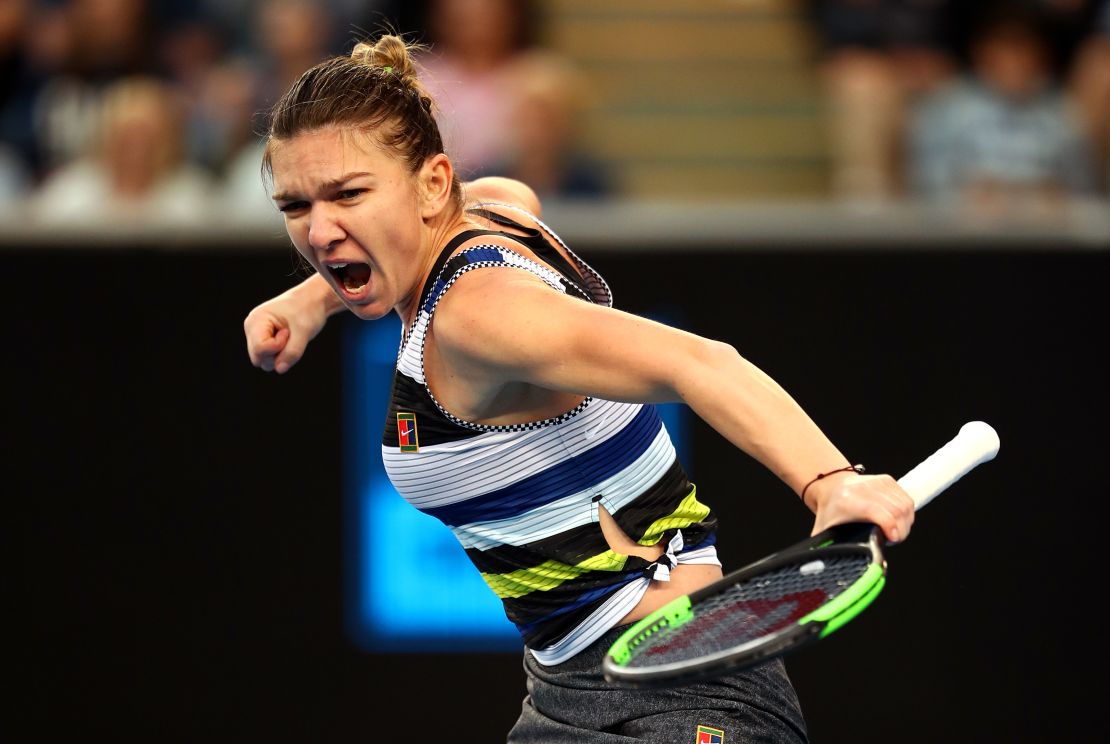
(877, 499)
(893, 509)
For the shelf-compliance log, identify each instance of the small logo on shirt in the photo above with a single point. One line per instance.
(406, 432)
(707, 735)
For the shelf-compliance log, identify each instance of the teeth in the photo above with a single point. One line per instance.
(339, 266)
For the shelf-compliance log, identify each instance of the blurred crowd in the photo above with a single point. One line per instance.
(999, 105)
(129, 110)
(133, 110)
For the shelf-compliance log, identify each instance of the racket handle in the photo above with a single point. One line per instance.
(975, 443)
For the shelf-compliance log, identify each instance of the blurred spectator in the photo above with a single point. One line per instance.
(507, 105)
(135, 172)
(544, 117)
(1005, 139)
(1066, 25)
(92, 43)
(222, 115)
(290, 36)
(469, 71)
(194, 55)
(1089, 84)
(18, 88)
(876, 58)
(110, 38)
(234, 20)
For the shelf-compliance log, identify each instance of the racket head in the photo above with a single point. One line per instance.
(776, 605)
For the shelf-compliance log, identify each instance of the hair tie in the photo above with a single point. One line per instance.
(388, 69)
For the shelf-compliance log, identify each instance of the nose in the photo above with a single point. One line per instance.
(324, 230)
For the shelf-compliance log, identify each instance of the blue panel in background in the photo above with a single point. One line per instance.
(410, 586)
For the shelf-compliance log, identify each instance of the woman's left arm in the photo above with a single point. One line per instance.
(560, 343)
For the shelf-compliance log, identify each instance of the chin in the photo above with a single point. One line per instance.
(369, 312)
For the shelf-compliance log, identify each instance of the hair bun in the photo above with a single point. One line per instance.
(390, 53)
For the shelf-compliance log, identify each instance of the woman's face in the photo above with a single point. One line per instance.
(354, 211)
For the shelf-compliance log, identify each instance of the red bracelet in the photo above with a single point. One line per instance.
(853, 468)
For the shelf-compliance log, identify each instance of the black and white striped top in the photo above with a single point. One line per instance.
(523, 499)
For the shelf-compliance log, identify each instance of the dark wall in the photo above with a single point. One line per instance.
(178, 530)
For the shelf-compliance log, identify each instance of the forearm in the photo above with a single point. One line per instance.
(756, 414)
(610, 354)
(315, 292)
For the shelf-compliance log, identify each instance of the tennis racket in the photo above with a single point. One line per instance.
(787, 600)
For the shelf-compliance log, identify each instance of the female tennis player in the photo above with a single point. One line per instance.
(522, 408)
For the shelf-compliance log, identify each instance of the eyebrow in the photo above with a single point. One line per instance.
(331, 185)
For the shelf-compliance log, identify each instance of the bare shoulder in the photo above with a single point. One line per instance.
(500, 190)
(468, 317)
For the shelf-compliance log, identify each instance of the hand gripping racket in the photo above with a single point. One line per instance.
(787, 600)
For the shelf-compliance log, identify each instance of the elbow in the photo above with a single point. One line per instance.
(708, 363)
(717, 354)
(505, 190)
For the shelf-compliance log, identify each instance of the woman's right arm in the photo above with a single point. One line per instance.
(280, 328)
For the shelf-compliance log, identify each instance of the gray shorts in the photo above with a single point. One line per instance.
(571, 702)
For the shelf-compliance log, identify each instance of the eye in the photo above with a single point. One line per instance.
(295, 206)
(350, 193)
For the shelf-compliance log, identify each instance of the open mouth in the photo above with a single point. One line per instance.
(351, 276)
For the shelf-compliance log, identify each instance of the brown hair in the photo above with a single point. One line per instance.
(376, 90)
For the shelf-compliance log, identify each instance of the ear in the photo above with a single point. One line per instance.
(435, 179)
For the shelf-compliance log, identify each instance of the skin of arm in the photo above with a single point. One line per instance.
(496, 189)
(559, 343)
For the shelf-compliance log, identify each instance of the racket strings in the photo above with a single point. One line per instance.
(758, 607)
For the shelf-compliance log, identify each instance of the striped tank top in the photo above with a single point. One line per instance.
(523, 499)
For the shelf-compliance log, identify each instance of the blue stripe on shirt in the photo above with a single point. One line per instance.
(472, 255)
(563, 479)
(437, 290)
